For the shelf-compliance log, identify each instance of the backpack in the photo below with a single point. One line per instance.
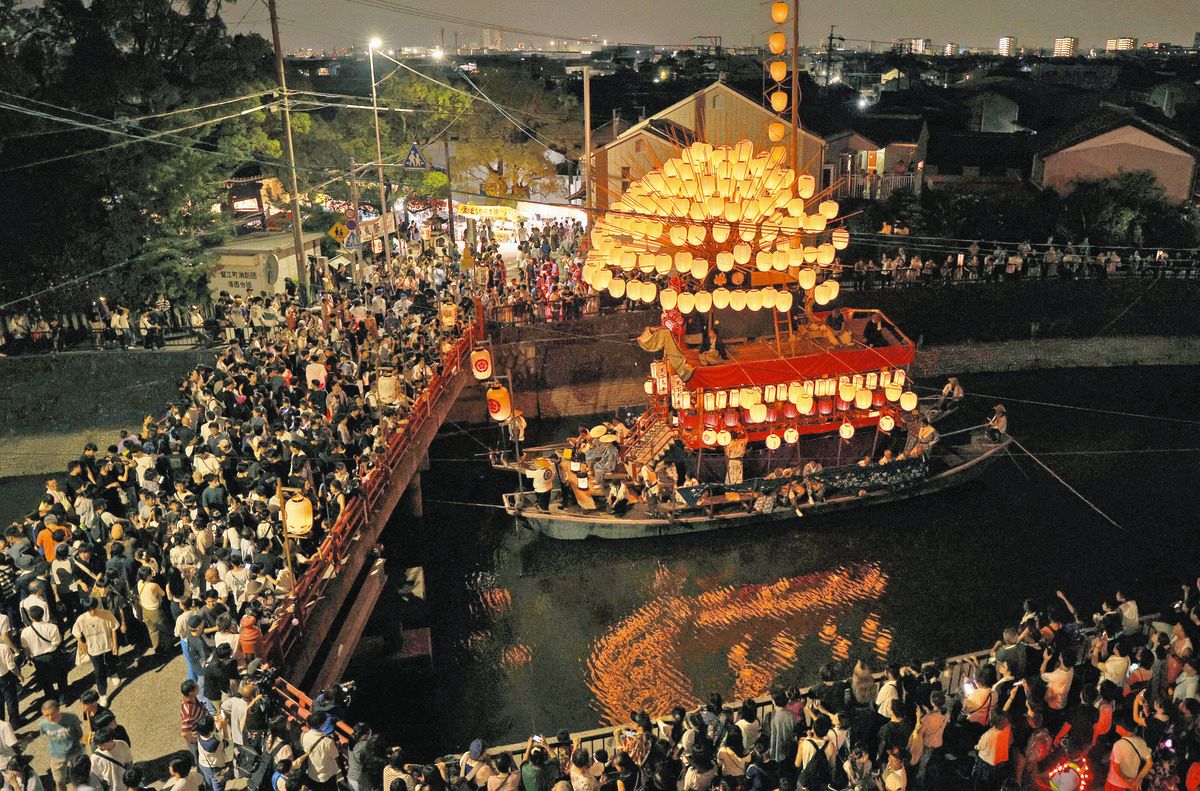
(816, 776)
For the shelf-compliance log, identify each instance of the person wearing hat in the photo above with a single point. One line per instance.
(474, 765)
(997, 425)
(952, 391)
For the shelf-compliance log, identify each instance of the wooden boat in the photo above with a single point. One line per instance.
(949, 467)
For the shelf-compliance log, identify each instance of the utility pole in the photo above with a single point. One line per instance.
(358, 219)
(587, 143)
(450, 187)
(795, 87)
(290, 155)
(829, 54)
(384, 212)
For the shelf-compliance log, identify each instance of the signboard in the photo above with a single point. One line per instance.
(377, 246)
(415, 159)
(339, 232)
(488, 212)
(351, 225)
(352, 241)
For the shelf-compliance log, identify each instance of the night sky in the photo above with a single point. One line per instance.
(970, 23)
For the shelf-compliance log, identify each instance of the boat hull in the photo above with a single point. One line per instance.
(573, 526)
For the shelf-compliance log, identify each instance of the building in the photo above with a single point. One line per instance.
(917, 46)
(718, 114)
(1116, 140)
(1008, 47)
(492, 39)
(877, 154)
(950, 49)
(992, 111)
(259, 262)
(1065, 46)
(1123, 44)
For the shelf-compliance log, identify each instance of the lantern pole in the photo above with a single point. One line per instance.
(795, 85)
(587, 143)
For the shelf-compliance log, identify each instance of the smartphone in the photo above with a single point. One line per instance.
(537, 738)
(969, 686)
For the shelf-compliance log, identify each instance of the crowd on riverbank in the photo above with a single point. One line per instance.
(191, 534)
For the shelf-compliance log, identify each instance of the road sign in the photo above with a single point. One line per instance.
(352, 241)
(339, 232)
(415, 159)
(351, 212)
(351, 225)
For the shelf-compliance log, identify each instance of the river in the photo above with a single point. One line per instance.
(533, 636)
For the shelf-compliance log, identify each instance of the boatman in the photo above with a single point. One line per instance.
(926, 437)
(516, 426)
(952, 391)
(997, 425)
(541, 475)
(604, 456)
(734, 452)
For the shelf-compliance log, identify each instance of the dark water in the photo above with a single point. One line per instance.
(533, 636)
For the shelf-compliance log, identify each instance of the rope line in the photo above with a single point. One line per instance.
(1068, 486)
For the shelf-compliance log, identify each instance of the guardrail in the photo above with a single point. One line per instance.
(290, 622)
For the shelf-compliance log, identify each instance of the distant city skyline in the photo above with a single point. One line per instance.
(330, 24)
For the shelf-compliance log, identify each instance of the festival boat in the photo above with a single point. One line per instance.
(765, 404)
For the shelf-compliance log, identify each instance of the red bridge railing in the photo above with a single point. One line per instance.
(293, 616)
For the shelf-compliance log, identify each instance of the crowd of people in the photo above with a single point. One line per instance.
(188, 536)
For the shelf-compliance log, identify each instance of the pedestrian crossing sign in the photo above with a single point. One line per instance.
(415, 159)
(352, 241)
(339, 232)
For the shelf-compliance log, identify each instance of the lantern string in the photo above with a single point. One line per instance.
(467, 433)
(1075, 407)
(1068, 486)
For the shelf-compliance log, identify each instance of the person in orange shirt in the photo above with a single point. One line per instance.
(250, 637)
(46, 540)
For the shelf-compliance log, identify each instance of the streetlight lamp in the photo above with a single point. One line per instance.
(384, 211)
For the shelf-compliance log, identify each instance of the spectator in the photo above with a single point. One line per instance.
(63, 733)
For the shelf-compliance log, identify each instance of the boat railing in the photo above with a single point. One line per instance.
(957, 670)
(291, 620)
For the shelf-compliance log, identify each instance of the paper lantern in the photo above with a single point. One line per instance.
(825, 406)
(908, 400)
(773, 442)
(710, 401)
(741, 253)
(834, 287)
(862, 399)
(649, 293)
(806, 186)
(704, 302)
(720, 232)
(898, 377)
(730, 418)
(815, 223)
(633, 290)
(754, 300)
(779, 102)
(779, 260)
(791, 435)
(724, 438)
(777, 43)
(699, 268)
(778, 70)
(807, 278)
(821, 294)
(648, 386)
(769, 393)
(758, 412)
(846, 392)
(725, 261)
(735, 398)
(805, 404)
(840, 238)
(721, 298)
(846, 431)
(779, 13)
(810, 254)
(784, 301)
(828, 209)
(737, 299)
(499, 402)
(776, 130)
(886, 423)
(794, 391)
(646, 262)
(481, 364)
(893, 391)
(617, 288)
(602, 279)
(662, 263)
(669, 298)
(708, 437)
(769, 298)
(763, 261)
(678, 235)
(686, 303)
(825, 254)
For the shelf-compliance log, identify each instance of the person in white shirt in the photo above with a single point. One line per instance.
(97, 629)
(321, 768)
(894, 776)
(110, 759)
(992, 752)
(1130, 618)
(10, 683)
(1115, 667)
(889, 691)
(1058, 681)
(1129, 762)
(41, 642)
(1187, 684)
(184, 776)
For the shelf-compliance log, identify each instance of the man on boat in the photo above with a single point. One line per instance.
(952, 391)
(541, 474)
(516, 426)
(814, 487)
(734, 452)
(604, 456)
(997, 425)
(923, 440)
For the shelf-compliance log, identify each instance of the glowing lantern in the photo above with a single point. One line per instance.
(617, 288)
(758, 412)
(810, 253)
(908, 400)
(825, 254)
(779, 13)
(893, 391)
(886, 423)
(783, 301)
(825, 406)
(791, 435)
(710, 401)
(846, 431)
(754, 300)
(846, 391)
(699, 268)
(686, 303)
(815, 223)
(794, 392)
(779, 260)
(776, 130)
(481, 364)
(708, 437)
(805, 404)
(807, 278)
(735, 398)
(779, 101)
(602, 279)
(862, 399)
(704, 302)
(634, 290)
(731, 417)
(741, 253)
(649, 292)
(721, 298)
(763, 261)
(833, 288)
(821, 294)
(778, 70)
(773, 442)
(678, 235)
(898, 376)
(828, 209)
(499, 402)
(669, 298)
(646, 262)
(648, 386)
(662, 263)
(777, 42)
(725, 261)
(840, 238)
(806, 186)
(724, 437)
(737, 300)
(769, 393)
(769, 299)
(720, 232)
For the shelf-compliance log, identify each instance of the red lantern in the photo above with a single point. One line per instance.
(711, 419)
(772, 414)
(843, 404)
(878, 398)
(731, 417)
(790, 411)
(825, 406)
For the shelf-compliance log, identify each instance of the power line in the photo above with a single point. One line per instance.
(407, 10)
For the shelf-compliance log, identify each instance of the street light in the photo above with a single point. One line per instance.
(384, 212)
